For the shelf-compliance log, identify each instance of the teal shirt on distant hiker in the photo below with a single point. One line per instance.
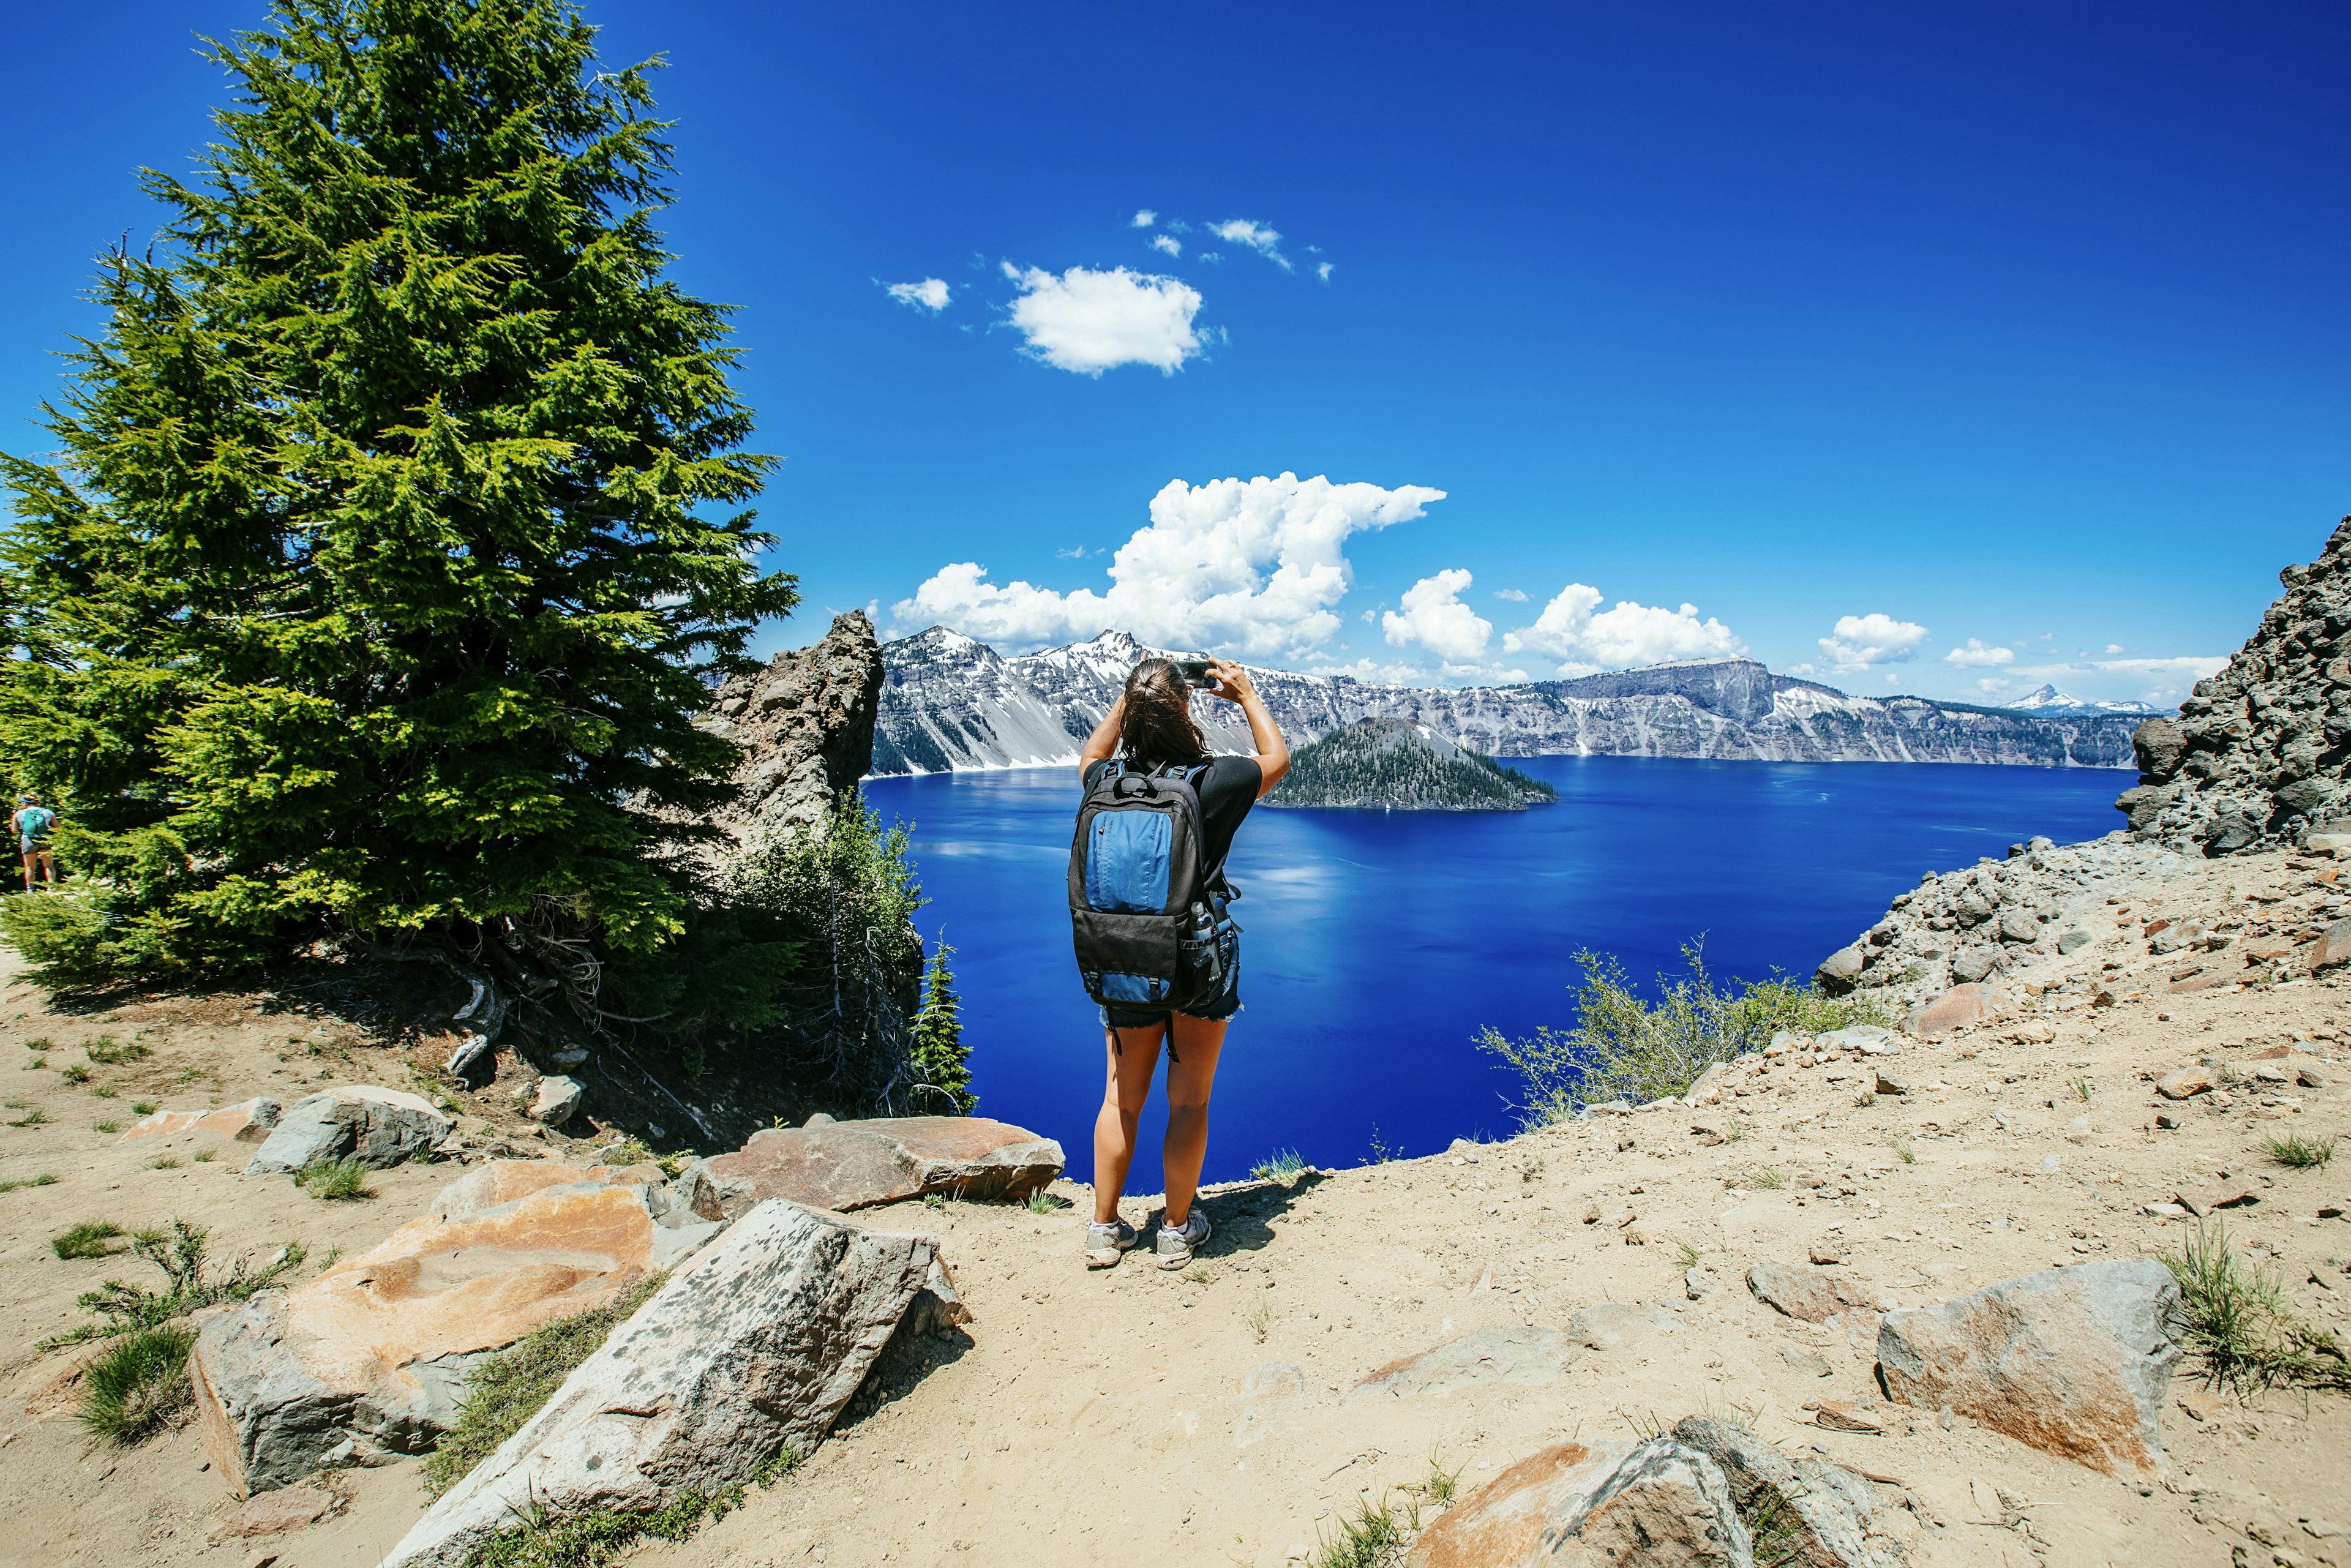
(32, 825)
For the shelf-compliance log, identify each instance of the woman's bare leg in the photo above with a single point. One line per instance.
(1132, 1055)
(1190, 1077)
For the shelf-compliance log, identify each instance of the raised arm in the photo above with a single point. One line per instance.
(1102, 744)
(1273, 751)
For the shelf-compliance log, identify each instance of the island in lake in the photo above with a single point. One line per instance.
(1393, 764)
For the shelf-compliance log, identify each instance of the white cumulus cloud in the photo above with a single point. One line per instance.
(1433, 615)
(1859, 641)
(930, 294)
(1574, 630)
(1142, 219)
(1167, 245)
(1259, 237)
(1322, 271)
(1247, 565)
(1515, 595)
(1089, 321)
(1974, 654)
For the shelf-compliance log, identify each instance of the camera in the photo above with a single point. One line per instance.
(1194, 671)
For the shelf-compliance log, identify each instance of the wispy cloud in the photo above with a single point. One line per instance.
(1515, 595)
(1976, 654)
(1259, 237)
(1322, 271)
(1168, 244)
(1087, 322)
(1142, 219)
(930, 294)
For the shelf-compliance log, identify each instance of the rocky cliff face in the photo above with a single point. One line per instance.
(806, 726)
(2257, 755)
(951, 703)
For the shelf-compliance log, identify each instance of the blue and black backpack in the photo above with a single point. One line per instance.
(1146, 911)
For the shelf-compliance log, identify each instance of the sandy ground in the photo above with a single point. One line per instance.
(1215, 1415)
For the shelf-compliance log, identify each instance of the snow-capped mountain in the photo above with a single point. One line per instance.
(949, 703)
(2048, 699)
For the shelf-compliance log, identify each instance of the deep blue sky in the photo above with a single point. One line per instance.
(2003, 322)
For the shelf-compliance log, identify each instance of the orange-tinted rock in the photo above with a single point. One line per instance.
(501, 1182)
(1663, 1502)
(368, 1357)
(1961, 1007)
(247, 1122)
(1501, 1522)
(855, 1165)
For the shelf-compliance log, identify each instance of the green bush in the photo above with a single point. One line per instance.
(107, 1052)
(88, 1239)
(335, 1180)
(2237, 1316)
(180, 1252)
(1284, 1166)
(942, 1062)
(138, 1386)
(506, 1389)
(1623, 1046)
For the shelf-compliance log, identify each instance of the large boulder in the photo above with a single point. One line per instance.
(1600, 1505)
(1841, 970)
(1961, 1007)
(2159, 744)
(1823, 1513)
(370, 1357)
(856, 1165)
(378, 1127)
(806, 726)
(2074, 1361)
(751, 1349)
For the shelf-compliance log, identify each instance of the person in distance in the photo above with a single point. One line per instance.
(1148, 729)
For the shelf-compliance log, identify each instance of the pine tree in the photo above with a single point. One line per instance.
(941, 1060)
(378, 584)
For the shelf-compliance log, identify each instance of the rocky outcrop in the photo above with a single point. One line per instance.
(378, 1127)
(246, 1122)
(369, 1358)
(2074, 1362)
(2258, 753)
(857, 1164)
(750, 1350)
(806, 726)
(951, 703)
(1821, 1515)
(1594, 1507)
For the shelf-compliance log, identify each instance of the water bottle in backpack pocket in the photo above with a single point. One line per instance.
(1141, 911)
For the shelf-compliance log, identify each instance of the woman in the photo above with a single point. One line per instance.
(1151, 726)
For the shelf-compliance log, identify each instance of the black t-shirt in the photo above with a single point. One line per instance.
(1227, 791)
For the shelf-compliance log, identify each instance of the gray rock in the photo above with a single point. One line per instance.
(1805, 1294)
(1972, 908)
(753, 1347)
(1509, 1353)
(806, 726)
(555, 1101)
(2074, 1362)
(2019, 926)
(2073, 941)
(1869, 1038)
(1610, 1323)
(1840, 969)
(2159, 744)
(378, 1127)
(1887, 1084)
(1822, 1511)
(856, 1165)
(1972, 964)
(2230, 833)
(1585, 1505)
(2334, 947)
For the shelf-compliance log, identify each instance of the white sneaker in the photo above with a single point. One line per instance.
(1106, 1243)
(1177, 1246)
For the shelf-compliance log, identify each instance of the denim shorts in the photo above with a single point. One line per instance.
(1217, 1009)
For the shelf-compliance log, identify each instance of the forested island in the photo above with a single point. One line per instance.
(1393, 764)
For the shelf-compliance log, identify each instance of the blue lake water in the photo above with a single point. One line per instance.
(1377, 944)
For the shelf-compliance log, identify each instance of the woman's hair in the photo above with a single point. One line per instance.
(1157, 727)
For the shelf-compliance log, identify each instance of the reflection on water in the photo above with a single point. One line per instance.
(1378, 943)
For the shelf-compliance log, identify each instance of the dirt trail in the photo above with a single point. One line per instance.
(1222, 1414)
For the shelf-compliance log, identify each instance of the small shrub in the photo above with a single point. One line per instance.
(35, 1181)
(1904, 1152)
(1622, 1047)
(179, 1251)
(1261, 1321)
(104, 1092)
(143, 1107)
(166, 1164)
(37, 1043)
(1043, 1202)
(2301, 1152)
(1770, 1179)
(1200, 1274)
(206, 1157)
(2237, 1316)
(2081, 1089)
(33, 1117)
(107, 1053)
(106, 1126)
(1284, 1166)
(506, 1389)
(1687, 1253)
(1865, 1100)
(935, 1201)
(1371, 1537)
(35, 1064)
(75, 1074)
(335, 1180)
(138, 1386)
(88, 1239)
